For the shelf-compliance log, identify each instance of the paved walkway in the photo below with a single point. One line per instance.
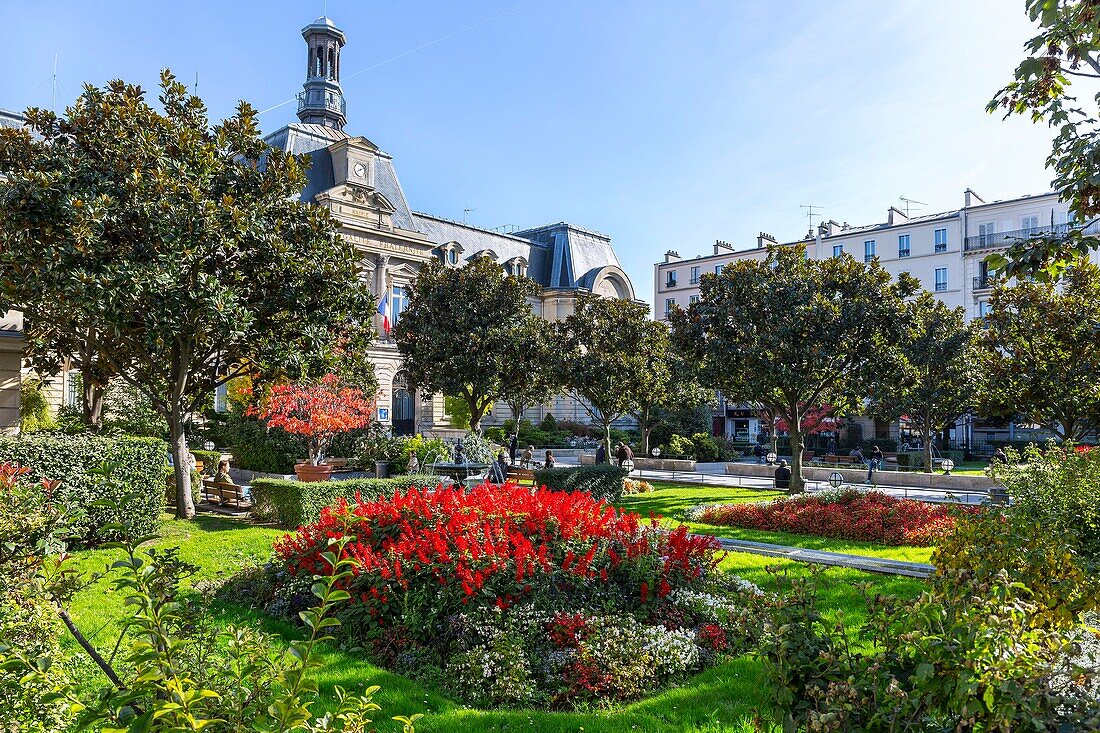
(836, 559)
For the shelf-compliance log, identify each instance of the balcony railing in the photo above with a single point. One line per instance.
(1006, 239)
(940, 287)
(670, 283)
(334, 104)
(983, 282)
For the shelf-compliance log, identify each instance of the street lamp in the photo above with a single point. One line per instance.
(628, 465)
(771, 457)
(836, 479)
(947, 465)
(656, 452)
(208, 445)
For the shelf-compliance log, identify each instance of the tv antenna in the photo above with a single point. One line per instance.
(908, 201)
(53, 79)
(466, 214)
(810, 213)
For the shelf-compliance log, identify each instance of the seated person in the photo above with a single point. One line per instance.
(549, 459)
(783, 476)
(498, 471)
(528, 456)
(414, 464)
(222, 476)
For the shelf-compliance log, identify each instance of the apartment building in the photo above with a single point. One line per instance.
(945, 251)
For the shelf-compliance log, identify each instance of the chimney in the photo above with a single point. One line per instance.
(672, 256)
(971, 198)
(895, 216)
(827, 228)
(763, 239)
(720, 245)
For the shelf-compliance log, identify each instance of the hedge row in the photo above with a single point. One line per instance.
(604, 482)
(294, 503)
(134, 486)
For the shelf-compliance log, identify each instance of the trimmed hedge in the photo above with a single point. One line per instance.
(293, 503)
(209, 458)
(140, 467)
(603, 482)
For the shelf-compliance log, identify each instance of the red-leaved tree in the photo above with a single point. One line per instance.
(814, 420)
(317, 411)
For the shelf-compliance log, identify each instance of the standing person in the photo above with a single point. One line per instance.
(623, 453)
(758, 451)
(513, 446)
(528, 455)
(550, 461)
(832, 446)
(601, 454)
(783, 476)
(874, 463)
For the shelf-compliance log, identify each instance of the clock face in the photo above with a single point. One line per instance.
(360, 170)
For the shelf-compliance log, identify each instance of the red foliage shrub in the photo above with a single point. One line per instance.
(423, 555)
(872, 516)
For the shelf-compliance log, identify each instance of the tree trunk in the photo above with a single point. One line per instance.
(91, 408)
(646, 428)
(607, 441)
(797, 484)
(181, 459)
(926, 438)
(774, 441)
(476, 413)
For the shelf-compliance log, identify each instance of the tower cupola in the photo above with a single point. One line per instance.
(321, 100)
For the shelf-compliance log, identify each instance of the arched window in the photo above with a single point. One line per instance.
(331, 63)
(320, 68)
(508, 268)
(452, 256)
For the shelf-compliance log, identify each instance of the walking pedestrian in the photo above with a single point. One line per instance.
(623, 453)
(832, 446)
(601, 454)
(874, 463)
(513, 446)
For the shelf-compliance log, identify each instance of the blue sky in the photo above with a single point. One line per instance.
(665, 125)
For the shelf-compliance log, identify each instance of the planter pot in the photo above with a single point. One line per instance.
(309, 472)
(381, 469)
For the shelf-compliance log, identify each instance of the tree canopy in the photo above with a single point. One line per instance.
(607, 354)
(792, 334)
(470, 332)
(183, 242)
(1064, 52)
(1042, 354)
(938, 376)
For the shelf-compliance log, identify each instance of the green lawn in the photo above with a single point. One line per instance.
(724, 698)
(670, 500)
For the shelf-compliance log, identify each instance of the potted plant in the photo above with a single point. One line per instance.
(317, 411)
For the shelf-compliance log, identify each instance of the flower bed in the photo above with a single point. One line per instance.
(850, 514)
(509, 596)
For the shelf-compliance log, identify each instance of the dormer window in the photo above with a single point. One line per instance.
(452, 256)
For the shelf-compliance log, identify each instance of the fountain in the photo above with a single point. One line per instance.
(458, 468)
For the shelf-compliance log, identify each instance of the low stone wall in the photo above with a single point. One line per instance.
(649, 464)
(912, 479)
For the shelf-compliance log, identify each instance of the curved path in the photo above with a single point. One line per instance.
(836, 559)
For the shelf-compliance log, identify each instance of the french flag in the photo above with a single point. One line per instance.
(384, 311)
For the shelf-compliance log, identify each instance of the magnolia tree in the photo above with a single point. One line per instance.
(318, 412)
(173, 253)
(821, 333)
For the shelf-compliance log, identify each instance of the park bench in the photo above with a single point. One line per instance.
(224, 493)
(521, 476)
(839, 460)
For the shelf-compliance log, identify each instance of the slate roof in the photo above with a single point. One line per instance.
(475, 240)
(302, 138)
(575, 255)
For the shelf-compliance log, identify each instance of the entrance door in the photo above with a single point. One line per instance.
(402, 412)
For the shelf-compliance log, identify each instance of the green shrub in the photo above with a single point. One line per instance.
(1057, 488)
(254, 446)
(495, 434)
(1039, 556)
(602, 482)
(964, 655)
(34, 409)
(416, 480)
(135, 487)
(210, 460)
(29, 622)
(293, 503)
(679, 447)
(705, 446)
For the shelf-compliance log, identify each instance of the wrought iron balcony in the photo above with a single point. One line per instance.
(331, 103)
(1007, 239)
(983, 282)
